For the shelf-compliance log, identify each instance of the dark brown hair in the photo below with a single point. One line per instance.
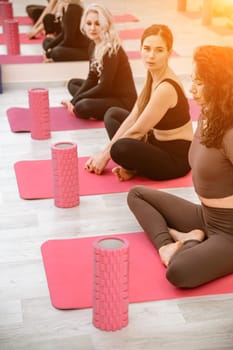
(166, 34)
(214, 67)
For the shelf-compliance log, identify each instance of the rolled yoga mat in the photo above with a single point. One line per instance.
(6, 10)
(110, 283)
(39, 113)
(68, 267)
(11, 32)
(65, 174)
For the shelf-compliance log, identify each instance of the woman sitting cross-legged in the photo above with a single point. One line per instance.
(110, 80)
(195, 241)
(153, 139)
(70, 44)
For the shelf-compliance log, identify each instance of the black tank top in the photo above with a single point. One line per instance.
(177, 116)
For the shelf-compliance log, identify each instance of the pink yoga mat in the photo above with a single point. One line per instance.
(34, 179)
(8, 59)
(125, 34)
(24, 20)
(23, 39)
(133, 33)
(60, 119)
(68, 268)
(15, 59)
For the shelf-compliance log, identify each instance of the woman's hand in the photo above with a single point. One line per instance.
(69, 106)
(32, 33)
(97, 163)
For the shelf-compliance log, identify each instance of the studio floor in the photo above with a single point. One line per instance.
(28, 320)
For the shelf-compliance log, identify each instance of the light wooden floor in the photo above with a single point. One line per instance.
(28, 321)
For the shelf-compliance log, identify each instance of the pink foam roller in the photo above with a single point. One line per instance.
(65, 174)
(11, 32)
(110, 284)
(39, 113)
(6, 10)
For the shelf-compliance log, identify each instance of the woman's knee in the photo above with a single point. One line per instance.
(133, 195)
(181, 275)
(82, 109)
(119, 151)
(109, 116)
(57, 54)
(117, 114)
(71, 86)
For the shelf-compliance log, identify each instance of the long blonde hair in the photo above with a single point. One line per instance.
(110, 41)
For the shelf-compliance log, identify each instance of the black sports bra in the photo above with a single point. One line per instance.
(176, 116)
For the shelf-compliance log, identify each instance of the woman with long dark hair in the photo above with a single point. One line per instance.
(153, 139)
(195, 241)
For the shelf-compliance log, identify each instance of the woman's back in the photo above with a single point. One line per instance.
(72, 36)
(116, 78)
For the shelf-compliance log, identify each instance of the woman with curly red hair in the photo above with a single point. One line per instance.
(195, 241)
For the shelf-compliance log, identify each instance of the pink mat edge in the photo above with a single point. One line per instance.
(186, 181)
(91, 239)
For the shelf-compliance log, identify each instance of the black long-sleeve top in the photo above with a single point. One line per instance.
(115, 79)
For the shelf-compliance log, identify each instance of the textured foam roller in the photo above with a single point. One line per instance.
(39, 113)
(65, 174)
(110, 284)
(11, 31)
(6, 10)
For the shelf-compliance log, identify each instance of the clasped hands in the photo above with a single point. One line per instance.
(97, 163)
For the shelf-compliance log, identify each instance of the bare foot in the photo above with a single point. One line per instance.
(52, 36)
(123, 174)
(167, 251)
(48, 60)
(197, 235)
(68, 105)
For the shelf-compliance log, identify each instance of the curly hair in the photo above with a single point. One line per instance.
(110, 41)
(214, 67)
(166, 35)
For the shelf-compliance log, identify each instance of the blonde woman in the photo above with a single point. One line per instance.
(110, 80)
(71, 44)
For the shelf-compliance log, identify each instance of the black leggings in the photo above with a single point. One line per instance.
(195, 263)
(94, 107)
(61, 53)
(156, 160)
